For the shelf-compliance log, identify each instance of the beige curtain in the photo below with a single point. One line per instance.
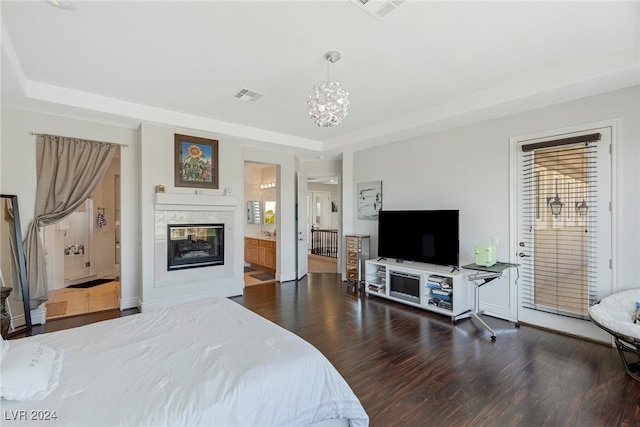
(68, 170)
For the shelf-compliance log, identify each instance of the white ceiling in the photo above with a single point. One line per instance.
(426, 66)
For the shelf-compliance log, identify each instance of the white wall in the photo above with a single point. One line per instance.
(252, 192)
(18, 173)
(157, 167)
(468, 169)
(104, 243)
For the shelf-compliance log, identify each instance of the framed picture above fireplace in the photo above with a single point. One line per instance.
(196, 162)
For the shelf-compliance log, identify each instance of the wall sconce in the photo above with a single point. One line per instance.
(267, 185)
(554, 203)
(582, 208)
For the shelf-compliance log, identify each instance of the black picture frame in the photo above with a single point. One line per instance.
(196, 162)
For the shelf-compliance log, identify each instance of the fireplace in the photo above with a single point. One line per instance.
(194, 245)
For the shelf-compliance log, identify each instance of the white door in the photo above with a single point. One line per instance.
(562, 226)
(301, 227)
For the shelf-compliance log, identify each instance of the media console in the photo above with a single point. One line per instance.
(431, 287)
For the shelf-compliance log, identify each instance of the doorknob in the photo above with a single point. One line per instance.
(522, 255)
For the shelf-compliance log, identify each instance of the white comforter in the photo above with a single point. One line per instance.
(207, 363)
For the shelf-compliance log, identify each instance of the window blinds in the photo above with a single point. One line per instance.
(558, 249)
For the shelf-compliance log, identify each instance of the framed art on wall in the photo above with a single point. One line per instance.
(369, 199)
(196, 162)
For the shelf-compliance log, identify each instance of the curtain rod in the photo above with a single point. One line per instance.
(73, 137)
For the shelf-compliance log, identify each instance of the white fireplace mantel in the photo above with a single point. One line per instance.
(168, 201)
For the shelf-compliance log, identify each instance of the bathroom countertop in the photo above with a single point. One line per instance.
(270, 238)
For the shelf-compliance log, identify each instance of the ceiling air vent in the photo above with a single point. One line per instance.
(377, 8)
(248, 95)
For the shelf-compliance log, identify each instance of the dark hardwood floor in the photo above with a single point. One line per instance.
(410, 367)
(75, 321)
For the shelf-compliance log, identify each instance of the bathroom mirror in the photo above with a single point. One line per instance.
(12, 266)
(253, 212)
(269, 212)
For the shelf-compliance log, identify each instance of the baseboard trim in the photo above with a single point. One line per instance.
(129, 303)
(18, 322)
(286, 277)
(39, 315)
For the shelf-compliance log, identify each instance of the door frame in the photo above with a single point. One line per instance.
(303, 220)
(302, 224)
(614, 125)
(278, 200)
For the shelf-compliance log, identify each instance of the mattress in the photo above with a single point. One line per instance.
(205, 363)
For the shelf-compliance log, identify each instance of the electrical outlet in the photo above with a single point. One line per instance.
(495, 241)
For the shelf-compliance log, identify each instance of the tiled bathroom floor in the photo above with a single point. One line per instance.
(82, 301)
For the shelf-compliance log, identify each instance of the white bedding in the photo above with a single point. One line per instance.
(208, 363)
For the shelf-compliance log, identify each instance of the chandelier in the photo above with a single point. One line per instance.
(328, 102)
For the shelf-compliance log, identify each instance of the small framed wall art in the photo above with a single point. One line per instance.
(196, 162)
(369, 199)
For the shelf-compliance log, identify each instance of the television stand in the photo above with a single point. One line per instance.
(431, 287)
(485, 275)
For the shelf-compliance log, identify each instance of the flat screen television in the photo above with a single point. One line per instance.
(429, 236)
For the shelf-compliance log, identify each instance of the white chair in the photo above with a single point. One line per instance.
(616, 314)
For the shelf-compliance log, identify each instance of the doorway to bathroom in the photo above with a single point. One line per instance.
(83, 253)
(261, 249)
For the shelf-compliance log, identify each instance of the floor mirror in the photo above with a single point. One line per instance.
(16, 310)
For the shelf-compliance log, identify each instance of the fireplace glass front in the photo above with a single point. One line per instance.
(195, 245)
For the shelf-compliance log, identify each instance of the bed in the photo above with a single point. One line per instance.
(205, 363)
